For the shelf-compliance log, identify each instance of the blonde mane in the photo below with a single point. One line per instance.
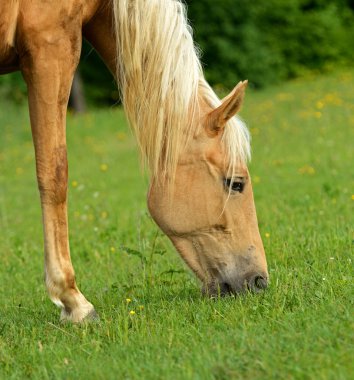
(159, 75)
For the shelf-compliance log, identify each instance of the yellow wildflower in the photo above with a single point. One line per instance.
(121, 136)
(307, 169)
(104, 167)
(128, 300)
(319, 105)
(267, 235)
(74, 183)
(132, 312)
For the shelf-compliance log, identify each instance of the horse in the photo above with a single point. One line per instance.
(193, 144)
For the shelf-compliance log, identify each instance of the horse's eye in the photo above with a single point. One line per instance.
(234, 184)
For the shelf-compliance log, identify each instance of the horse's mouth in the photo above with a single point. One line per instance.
(255, 284)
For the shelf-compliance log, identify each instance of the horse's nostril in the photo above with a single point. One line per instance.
(257, 283)
(225, 288)
(260, 282)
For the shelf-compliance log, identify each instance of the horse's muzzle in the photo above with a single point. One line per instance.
(255, 282)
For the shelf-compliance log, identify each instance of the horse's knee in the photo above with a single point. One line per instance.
(53, 178)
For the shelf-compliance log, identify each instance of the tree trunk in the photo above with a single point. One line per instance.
(77, 97)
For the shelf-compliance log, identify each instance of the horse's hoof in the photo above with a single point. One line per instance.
(80, 316)
(92, 316)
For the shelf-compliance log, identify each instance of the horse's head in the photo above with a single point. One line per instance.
(210, 216)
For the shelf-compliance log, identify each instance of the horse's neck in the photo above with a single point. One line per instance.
(99, 31)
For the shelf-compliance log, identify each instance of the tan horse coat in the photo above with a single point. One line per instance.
(214, 228)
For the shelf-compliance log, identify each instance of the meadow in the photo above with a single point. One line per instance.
(155, 324)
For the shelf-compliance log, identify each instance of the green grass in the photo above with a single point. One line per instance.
(300, 328)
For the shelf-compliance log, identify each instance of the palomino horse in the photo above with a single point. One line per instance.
(200, 193)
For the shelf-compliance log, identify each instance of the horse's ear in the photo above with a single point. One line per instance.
(229, 107)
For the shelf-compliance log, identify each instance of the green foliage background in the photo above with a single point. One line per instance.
(273, 40)
(263, 41)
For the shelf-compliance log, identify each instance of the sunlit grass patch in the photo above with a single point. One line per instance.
(154, 322)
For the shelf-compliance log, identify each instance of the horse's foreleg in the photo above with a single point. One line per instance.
(48, 72)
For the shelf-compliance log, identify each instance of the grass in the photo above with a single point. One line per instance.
(300, 328)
